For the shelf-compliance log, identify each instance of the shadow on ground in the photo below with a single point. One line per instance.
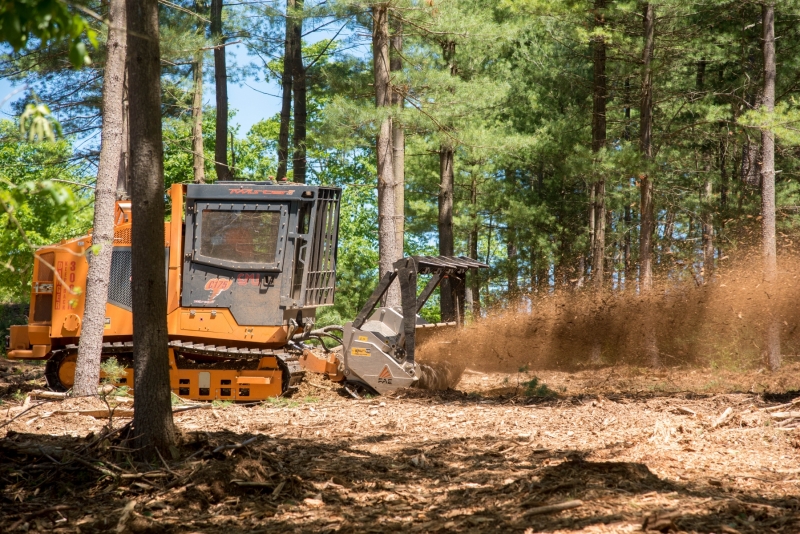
(304, 485)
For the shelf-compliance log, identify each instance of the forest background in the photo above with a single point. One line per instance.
(530, 132)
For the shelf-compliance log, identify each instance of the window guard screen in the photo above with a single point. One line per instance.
(240, 236)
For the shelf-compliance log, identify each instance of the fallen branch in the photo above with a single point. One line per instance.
(37, 513)
(684, 410)
(42, 394)
(723, 418)
(784, 415)
(31, 449)
(97, 414)
(553, 508)
(782, 406)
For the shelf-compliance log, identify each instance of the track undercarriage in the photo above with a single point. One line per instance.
(198, 371)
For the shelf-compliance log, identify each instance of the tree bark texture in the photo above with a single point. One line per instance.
(286, 96)
(152, 421)
(199, 161)
(299, 89)
(474, 280)
(626, 253)
(87, 369)
(773, 340)
(511, 240)
(387, 233)
(398, 137)
(221, 84)
(447, 302)
(768, 149)
(707, 230)
(599, 94)
(706, 190)
(123, 189)
(646, 144)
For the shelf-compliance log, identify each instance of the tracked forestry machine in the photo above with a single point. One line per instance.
(247, 264)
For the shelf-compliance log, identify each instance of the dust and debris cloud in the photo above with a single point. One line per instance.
(679, 323)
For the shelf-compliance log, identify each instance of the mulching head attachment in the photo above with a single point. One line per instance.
(379, 345)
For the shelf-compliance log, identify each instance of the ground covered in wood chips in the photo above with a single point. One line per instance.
(614, 449)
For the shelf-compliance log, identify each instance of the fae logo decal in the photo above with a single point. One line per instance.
(217, 286)
(248, 278)
(386, 376)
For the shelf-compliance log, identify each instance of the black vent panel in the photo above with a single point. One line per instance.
(321, 263)
(119, 284)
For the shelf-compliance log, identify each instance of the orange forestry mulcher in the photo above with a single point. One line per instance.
(248, 264)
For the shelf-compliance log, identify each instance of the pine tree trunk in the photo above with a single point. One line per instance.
(648, 223)
(599, 94)
(398, 138)
(199, 163)
(286, 96)
(299, 89)
(706, 190)
(646, 132)
(123, 175)
(513, 269)
(447, 301)
(87, 368)
(773, 343)
(707, 230)
(511, 240)
(387, 233)
(152, 421)
(221, 79)
(626, 253)
(475, 282)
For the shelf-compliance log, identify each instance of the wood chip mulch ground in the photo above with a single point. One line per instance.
(586, 454)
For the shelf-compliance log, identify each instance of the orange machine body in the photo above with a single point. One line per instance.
(57, 304)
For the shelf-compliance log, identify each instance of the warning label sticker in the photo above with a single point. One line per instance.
(359, 351)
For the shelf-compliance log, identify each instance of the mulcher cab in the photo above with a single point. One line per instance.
(248, 264)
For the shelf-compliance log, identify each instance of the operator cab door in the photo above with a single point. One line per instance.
(234, 256)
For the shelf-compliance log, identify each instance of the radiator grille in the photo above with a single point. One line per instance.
(119, 284)
(321, 264)
(122, 235)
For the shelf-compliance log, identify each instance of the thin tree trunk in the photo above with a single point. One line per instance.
(773, 342)
(707, 230)
(199, 163)
(87, 368)
(387, 233)
(626, 255)
(648, 222)
(599, 95)
(446, 239)
(299, 89)
(447, 300)
(592, 211)
(646, 132)
(152, 421)
(286, 97)
(473, 250)
(123, 176)
(398, 137)
(221, 79)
